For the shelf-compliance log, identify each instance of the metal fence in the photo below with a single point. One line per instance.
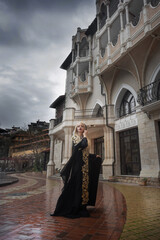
(149, 94)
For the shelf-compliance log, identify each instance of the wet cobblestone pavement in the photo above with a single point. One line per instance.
(143, 212)
(26, 205)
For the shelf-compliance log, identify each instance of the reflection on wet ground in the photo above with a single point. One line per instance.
(143, 212)
(26, 206)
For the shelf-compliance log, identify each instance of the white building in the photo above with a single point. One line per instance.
(113, 85)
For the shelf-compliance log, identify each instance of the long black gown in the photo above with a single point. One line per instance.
(80, 176)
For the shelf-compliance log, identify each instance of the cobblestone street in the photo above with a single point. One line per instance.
(26, 206)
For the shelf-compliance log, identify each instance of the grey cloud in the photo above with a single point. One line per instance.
(23, 98)
(35, 22)
(35, 39)
(58, 5)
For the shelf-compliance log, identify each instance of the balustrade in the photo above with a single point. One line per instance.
(89, 113)
(149, 94)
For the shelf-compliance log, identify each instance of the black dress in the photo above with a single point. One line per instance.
(80, 176)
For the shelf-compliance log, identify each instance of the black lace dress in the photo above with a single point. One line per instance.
(80, 176)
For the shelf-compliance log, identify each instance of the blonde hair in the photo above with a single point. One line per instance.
(75, 137)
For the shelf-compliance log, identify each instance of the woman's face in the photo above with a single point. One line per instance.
(80, 128)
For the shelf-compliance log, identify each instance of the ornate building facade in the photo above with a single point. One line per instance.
(113, 85)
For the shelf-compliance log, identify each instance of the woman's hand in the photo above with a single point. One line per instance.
(98, 156)
(85, 133)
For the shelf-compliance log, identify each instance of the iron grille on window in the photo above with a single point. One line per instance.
(128, 105)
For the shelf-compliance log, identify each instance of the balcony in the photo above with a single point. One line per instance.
(130, 24)
(89, 113)
(58, 121)
(81, 85)
(149, 96)
(55, 122)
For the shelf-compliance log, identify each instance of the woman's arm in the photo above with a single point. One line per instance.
(82, 144)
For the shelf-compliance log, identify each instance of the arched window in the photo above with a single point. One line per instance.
(113, 7)
(83, 48)
(102, 16)
(98, 111)
(127, 105)
(154, 3)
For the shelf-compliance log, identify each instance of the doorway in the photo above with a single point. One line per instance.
(129, 152)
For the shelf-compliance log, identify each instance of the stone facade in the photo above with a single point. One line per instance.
(113, 85)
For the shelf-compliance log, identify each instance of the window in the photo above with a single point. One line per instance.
(127, 105)
(102, 16)
(83, 48)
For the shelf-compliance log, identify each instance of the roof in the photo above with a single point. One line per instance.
(58, 101)
(3, 130)
(92, 29)
(67, 62)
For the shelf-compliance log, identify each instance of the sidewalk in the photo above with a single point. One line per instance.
(26, 206)
(143, 212)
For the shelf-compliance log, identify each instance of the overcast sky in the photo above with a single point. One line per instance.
(35, 39)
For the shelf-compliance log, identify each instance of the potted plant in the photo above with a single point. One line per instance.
(143, 181)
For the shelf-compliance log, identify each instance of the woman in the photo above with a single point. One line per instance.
(80, 177)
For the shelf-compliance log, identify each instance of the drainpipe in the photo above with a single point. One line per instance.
(113, 131)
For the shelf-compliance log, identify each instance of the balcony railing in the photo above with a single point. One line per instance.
(149, 94)
(58, 121)
(89, 113)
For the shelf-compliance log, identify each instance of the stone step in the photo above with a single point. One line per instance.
(150, 181)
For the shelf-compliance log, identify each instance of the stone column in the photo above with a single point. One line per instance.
(98, 53)
(127, 13)
(89, 77)
(67, 144)
(90, 46)
(147, 24)
(107, 3)
(73, 49)
(145, 2)
(97, 22)
(76, 79)
(127, 33)
(78, 50)
(51, 164)
(121, 18)
(108, 154)
(109, 43)
(148, 146)
(120, 10)
(109, 33)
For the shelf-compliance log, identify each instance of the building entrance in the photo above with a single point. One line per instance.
(129, 152)
(99, 148)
